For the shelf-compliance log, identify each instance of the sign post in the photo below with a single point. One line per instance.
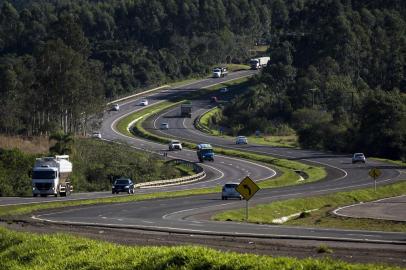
(374, 173)
(247, 188)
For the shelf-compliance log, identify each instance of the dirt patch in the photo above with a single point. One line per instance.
(350, 252)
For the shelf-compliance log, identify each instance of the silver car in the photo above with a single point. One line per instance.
(229, 191)
(358, 157)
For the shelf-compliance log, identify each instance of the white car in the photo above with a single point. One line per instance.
(144, 102)
(164, 126)
(96, 135)
(115, 107)
(175, 145)
(224, 90)
(241, 140)
(229, 191)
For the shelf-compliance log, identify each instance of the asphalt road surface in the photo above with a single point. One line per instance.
(190, 214)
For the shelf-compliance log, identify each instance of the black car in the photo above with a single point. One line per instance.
(123, 185)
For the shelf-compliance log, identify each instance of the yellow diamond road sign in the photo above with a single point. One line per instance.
(247, 188)
(374, 173)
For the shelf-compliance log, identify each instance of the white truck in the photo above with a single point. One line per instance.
(260, 62)
(50, 176)
(219, 72)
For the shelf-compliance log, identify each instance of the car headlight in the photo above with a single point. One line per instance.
(127, 187)
(112, 186)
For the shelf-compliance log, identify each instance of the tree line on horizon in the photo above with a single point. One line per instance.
(336, 76)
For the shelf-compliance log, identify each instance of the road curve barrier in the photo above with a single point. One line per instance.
(200, 174)
(199, 126)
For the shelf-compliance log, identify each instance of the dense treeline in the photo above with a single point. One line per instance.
(60, 59)
(96, 165)
(337, 76)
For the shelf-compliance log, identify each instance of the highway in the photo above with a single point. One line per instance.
(190, 214)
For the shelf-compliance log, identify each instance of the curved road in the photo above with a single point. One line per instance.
(189, 214)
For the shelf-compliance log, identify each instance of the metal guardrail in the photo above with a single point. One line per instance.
(200, 174)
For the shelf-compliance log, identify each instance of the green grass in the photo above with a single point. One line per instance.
(266, 213)
(235, 67)
(279, 141)
(62, 251)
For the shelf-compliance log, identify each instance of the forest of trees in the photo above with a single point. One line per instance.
(337, 77)
(337, 72)
(60, 60)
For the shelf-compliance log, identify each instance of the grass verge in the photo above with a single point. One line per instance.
(279, 141)
(322, 217)
(32, 251)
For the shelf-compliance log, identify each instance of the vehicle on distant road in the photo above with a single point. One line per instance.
(214, 99)
(241, 140)
(123, 185)
(144, 102)
(175, 145)
(260, 62)
(219, 72)
(229, 191)
(358, 157)
(205, 152)
(96, 135)
(50, 176)
(186, 109)
(115, 107)
(224, 90)
(164, 126)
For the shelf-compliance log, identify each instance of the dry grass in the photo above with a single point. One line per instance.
(32, 145)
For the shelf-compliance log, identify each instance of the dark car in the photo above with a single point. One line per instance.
(123, 185)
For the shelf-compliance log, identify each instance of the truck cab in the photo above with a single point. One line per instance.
(205, 152)
(219, 72)
(50, 176)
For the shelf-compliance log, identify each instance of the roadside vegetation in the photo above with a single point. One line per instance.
(209, 122)
(315, 211)
(96, 165)
(29, 251)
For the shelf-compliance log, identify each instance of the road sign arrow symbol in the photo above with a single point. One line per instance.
(249, 189)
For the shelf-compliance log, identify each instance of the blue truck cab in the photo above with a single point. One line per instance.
(205, 152)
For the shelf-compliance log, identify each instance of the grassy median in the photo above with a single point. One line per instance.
(62, 251)
(287, 167)
(278, 141)
(320, 210)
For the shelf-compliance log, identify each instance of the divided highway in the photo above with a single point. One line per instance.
(189, 214)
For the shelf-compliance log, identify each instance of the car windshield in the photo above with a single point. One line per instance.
(175, 142)
(122, 182)
(43, 175)
(231, 185)
(359, 155)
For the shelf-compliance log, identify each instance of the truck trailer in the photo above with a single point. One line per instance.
(50, 176)
(186, 110)
(260, 62)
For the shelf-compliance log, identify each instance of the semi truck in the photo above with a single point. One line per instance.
(50, 176)
(219, 72)
(260, 62)
(205, 152)
(186, 110)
